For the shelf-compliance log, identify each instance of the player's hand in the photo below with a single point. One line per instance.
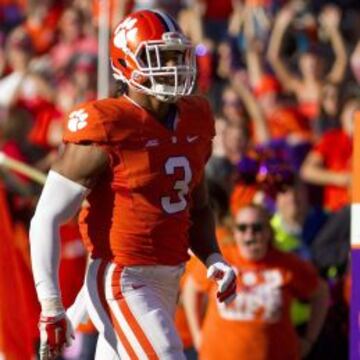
(224, 276)
(55, 333)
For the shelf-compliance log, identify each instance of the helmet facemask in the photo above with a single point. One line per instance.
(166, 68)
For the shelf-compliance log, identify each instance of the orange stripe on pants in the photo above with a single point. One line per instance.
(101, 290)
(129, 316)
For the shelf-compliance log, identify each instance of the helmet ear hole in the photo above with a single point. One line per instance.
(122, 62)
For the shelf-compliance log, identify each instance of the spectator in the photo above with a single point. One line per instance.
(71, 40)
(283, 119)
(213, 16)
(80, 85)
(307, 88)
(328, 117)
(257, 325)
(41, 22)
(330, 166)
(295, 224)
(232, 107)
(18, 51)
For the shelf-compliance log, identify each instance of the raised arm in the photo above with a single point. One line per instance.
(330, 19)
(282, 21)
(254, 110)
(237, 17)
(191, 20)
(254, 63)
(253, 52)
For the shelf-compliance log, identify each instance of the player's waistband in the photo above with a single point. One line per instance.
(164, 273)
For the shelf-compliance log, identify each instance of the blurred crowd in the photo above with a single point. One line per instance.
(283, 80)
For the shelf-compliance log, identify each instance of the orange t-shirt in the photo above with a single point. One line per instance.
(285, 121)
(309, 109)
(43, 35)
(257, 324)
(268, 84)
(139, 208)
(335, 147)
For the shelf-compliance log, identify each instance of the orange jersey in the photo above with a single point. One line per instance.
(139, 209)
(257, 324)
(285, 121)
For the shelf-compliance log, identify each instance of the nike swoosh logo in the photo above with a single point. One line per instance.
(191, 139)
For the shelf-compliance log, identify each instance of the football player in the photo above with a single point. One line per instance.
(139, 161)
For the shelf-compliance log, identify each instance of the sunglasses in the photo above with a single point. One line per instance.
(255, 227)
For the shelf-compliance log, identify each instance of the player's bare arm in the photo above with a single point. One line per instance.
(290, 81)
(82, 163)
(202, 232)
(204, 245)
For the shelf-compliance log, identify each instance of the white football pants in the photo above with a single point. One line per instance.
(133, 308)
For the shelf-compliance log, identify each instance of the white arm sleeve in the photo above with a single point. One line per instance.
(60, 200)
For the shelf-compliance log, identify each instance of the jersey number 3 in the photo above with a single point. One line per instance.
(180, 186)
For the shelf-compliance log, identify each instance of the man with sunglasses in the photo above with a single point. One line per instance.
(257, 324)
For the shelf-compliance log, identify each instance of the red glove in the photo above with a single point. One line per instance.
(55, 333)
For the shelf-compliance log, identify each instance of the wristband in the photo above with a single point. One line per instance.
(51, 307)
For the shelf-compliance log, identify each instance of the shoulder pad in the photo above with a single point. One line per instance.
(84, 124)
(100, 121)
